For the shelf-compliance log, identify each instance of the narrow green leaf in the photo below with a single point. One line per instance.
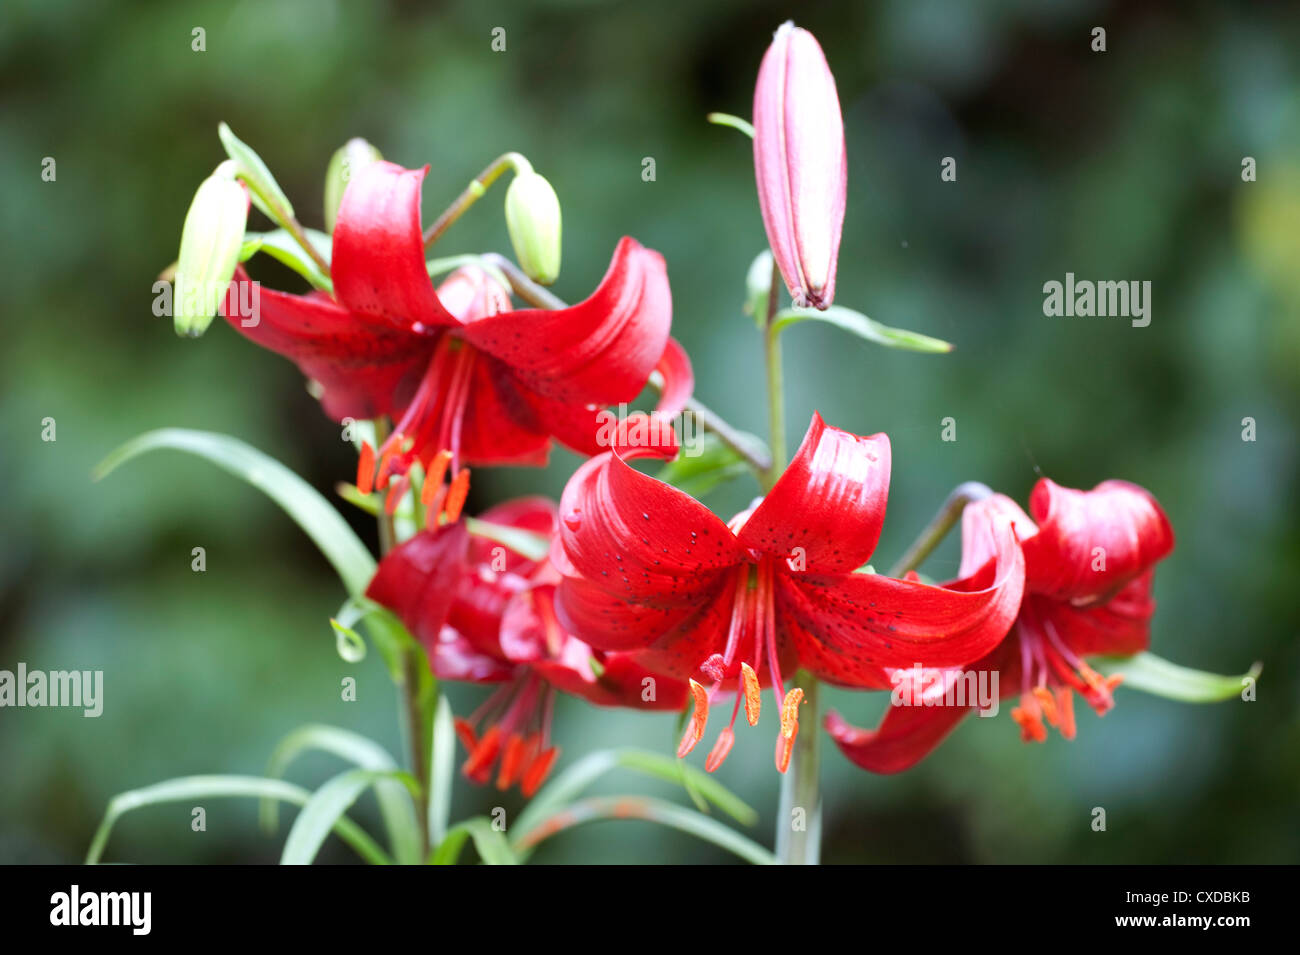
(266, 192)
(490, 843)
(1151, 674)
(648, 810)
(855, 323)
(323, 524)
(530, 545)
(573, 781)
(442, 771)
(325, 807)
(186, 789)
(395, 803)
(735, 122)
(284, 248)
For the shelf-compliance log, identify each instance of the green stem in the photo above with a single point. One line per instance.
(409, 687)
(799, 820)
(473, 192)
(290, 225)
(942, 522)
(775, 386)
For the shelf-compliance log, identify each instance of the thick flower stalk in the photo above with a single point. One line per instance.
(737, 606)
(1089, 559)
(800, 164)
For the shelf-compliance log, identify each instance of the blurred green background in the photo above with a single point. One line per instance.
(1122, 165)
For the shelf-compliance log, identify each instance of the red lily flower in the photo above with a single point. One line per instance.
(650, 571)
(1088, 572)
(485, 613)
(457, 368)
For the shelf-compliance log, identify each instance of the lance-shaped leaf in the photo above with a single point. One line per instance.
(855, 323)
(1151, 674)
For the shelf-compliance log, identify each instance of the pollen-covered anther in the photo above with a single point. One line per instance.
(484, 755)
(366, 469)
(753, 696)
(1065, 711)
(699, 719)
(790, 713)
(1029, 717)
(538, 770)
(456, 494)
(720, 749)
(512, 762)
(1044, 697)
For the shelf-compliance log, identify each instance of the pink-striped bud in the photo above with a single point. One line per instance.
(800, 164)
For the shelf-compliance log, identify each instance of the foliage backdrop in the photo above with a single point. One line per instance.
(1122, 165)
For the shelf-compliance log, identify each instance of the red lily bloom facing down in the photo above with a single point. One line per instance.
(486, 614)
(1088, 571)
(650, 571)
(457, 368)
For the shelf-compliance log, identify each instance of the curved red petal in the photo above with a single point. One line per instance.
(1121, 626)
(501, 427)
(419, 579)
(452, 657)
(678, 380)
(847, 627)
(378, 258)
(622, 681)
(830, 502)
(1091, 543)
(638, 538)
(905, 736)
(361, 363)
(978, 540)
(600, 351)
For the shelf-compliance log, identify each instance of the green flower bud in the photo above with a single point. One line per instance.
(210, 244)
(351, 158)
(533, 218)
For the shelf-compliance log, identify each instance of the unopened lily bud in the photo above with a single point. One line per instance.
(533, 218)
(350, 159)
(210, 245)
(800, 164)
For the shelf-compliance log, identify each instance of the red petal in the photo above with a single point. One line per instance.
(452, 657)
(378, 259)
(679, 380)
(419, 579)
(598, 352)
(501, 426)
(612, 622)
(1091, 543)
(638, 538)
(830, 501)
(978, 537)
(905, 736)
(847, 627)
(1120, 627)
(621, 682)
(361, 363)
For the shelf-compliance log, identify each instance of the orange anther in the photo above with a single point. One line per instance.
(1044, 697)
(385, 462)
(720, 749)
(1065, 707)
(753, 698)
(538, 770)
(790, 713)
(784, 750)
(436, 471)
(465, 733)
(366, 469)
(484, 754)
(511, 762)
(456, 495)
(699, 719)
